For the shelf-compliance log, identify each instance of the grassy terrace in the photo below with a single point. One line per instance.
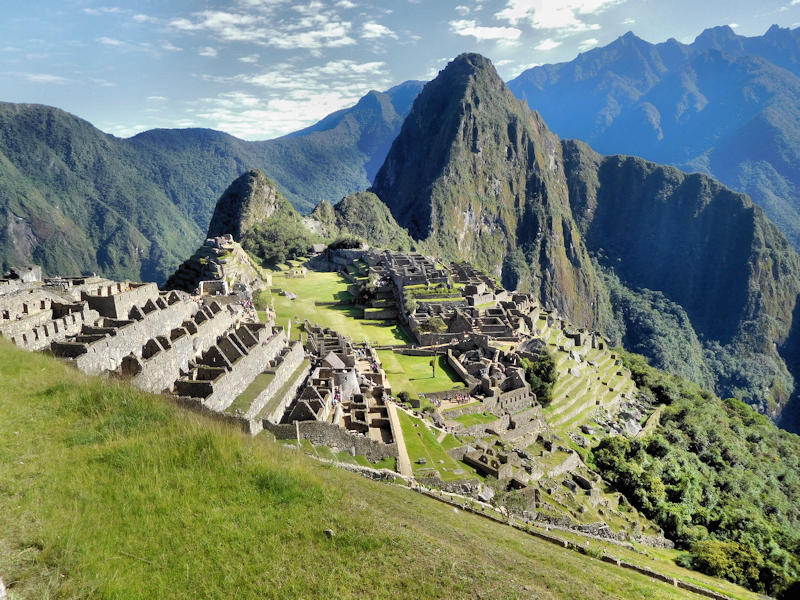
(413, 374)
(421, 442)
(245, 399)
(475, 419)
(319, 287)
(280, 394)
(108, 492)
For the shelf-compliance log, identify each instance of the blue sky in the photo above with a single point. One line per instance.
(262, 68)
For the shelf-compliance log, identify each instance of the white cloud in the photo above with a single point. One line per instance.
(250, 58)
(371, 30)
(157, 98)
(287, 97)
(140, 18)
(565, 16)
(106, 10)
(45, 78)
(733, 25)
(313, 27)
(207, 51)
(471, 28)
(463, 10)
(107, 41)
(170, 47)
(547, 44)
(587, 43)
(629, 21)
(346, 4)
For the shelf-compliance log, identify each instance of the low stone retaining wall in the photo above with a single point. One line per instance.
(327, 434)
(291, 361)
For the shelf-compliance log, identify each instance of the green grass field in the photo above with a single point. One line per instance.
(413, 374)
(329, 287)
(475, 419)
(421, 442)
(108, 492)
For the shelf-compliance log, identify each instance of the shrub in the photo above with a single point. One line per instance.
(542, 374)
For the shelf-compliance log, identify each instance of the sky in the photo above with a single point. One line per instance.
(258, 69)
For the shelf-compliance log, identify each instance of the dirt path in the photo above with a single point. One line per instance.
(403, 462)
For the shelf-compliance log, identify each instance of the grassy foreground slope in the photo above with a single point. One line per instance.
(107, 492)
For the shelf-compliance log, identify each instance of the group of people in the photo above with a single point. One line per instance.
(462, 398)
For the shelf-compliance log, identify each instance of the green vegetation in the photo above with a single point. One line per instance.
(542, 374)
(421, 442)
(362, 217)
(476, 419)
(720, 479)
(108, 480)
(245, 399)
(318, 295)
(279, 238)
(414, 374)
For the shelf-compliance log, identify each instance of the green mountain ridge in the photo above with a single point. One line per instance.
(476, 176)
(74, 199)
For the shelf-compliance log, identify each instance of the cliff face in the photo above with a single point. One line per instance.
(676, 265)
(476, 176)
(250, 199)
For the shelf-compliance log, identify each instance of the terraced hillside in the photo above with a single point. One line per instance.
(589, 380)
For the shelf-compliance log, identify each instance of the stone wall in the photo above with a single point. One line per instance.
(467, 409)
(104, 350)
(116, 301)
(161, 359)
(43, 334)
(328, 434)
(289, 362)
(456, 365)
(283, 431)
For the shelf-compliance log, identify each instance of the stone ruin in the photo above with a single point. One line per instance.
(497, 385)
(344, 402)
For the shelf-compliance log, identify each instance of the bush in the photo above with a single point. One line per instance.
(542, 374)
(261, 299)
(350, 242)
(278, 239)
(433, 325)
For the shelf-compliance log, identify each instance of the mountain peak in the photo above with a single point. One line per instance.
(715, 37)
(475, 175)
(251, 198)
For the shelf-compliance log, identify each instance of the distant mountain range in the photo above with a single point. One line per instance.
(73, 198)
(725, 105)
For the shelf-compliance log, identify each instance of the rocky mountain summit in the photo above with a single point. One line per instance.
(250, 199)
